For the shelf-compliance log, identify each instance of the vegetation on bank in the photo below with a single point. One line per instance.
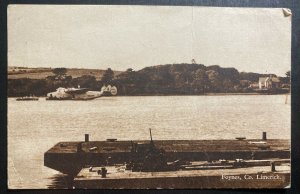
(43, 73)
(170, 79)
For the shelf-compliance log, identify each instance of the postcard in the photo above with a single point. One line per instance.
(138, 97)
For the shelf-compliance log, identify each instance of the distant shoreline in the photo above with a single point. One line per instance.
(180, 79)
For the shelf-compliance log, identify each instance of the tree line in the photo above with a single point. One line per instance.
(170, 79)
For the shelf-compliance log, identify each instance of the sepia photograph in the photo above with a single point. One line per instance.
(148, 97)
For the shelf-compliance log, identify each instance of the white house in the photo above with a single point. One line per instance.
(268, 82)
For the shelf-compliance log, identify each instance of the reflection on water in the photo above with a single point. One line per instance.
(35, 126)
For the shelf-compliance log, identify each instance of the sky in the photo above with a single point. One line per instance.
(122, 37)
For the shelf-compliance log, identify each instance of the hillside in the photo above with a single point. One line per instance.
(169, 79)
(186, 79)
(43, 73)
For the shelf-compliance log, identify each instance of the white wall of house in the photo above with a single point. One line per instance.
(265, 83)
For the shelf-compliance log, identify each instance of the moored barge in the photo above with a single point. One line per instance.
(71, 157)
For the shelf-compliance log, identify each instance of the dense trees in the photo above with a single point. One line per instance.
(27, 87)
(86, 81)
(200, 81)
(287, 79)
(108, 76)
(59, 71)
(60, 74)
(185, 79)
(288, 74)
(170, 79)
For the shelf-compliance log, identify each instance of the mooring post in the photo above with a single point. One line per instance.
(151, 141)
(103, 172)
(150, 134)
(86, 137)
(273, 166)
(264, 136)
(79, 147)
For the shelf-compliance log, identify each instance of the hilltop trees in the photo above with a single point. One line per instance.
(59, 71)
(108, 76)
(287, 79)
(288, 74)
(200, 81)
(60, 74)
(128, 76)
(179, 79)
(169, 79)
(215, 80)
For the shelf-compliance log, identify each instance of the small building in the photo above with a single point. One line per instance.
(268, 82)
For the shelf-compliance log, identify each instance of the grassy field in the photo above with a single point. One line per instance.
(42, 73)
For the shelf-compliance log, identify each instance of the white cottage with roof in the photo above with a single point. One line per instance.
(268, 82)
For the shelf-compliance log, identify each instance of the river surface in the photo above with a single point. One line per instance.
(35, 126)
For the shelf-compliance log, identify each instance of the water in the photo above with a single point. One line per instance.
(35, 126)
